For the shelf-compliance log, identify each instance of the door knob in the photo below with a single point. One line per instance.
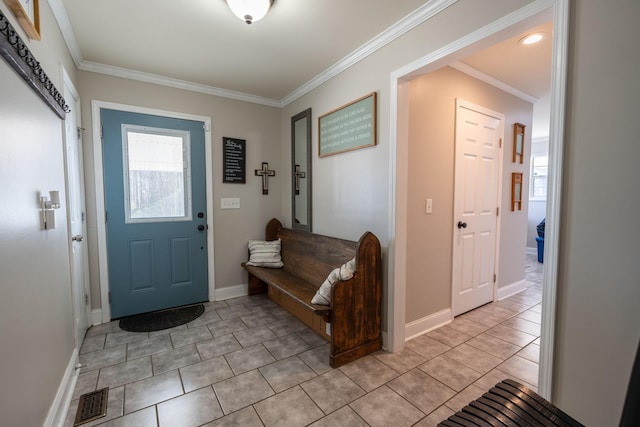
(462, 224)
(201, 227)
(78, 238)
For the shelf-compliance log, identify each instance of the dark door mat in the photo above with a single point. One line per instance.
(92, 406)
(163, 319)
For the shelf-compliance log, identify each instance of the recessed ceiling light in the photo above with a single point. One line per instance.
(531, 38)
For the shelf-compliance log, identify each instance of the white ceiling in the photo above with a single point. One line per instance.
(527, 68)
(202, 45)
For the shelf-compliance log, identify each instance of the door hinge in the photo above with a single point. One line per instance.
(86, 299)
(109, 295)
(494, 278)
(105, 216)
(500, 144)
(101, 132)
(498, 211)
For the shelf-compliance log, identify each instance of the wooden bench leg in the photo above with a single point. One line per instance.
(256, 286)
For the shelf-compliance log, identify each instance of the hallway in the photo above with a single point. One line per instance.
(247, 362)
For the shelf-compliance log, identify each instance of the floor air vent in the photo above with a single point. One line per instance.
(92, 406)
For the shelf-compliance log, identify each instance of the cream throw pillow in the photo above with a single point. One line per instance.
(265, 253)
(344, 272)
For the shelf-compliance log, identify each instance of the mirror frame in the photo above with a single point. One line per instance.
(304, 115)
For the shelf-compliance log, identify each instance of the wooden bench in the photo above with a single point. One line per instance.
(353, 321)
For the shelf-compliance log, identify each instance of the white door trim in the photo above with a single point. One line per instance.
(559, 12)
(96, 106)
(74, 101)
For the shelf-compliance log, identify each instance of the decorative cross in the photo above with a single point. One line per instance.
(297, 175)
(265, 173)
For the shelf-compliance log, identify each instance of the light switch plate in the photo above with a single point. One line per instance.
(428, 206)
(230, 203)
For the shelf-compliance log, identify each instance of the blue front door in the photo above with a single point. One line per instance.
(155, 196)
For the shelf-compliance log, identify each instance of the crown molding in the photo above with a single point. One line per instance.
(412, 20)
(474, 72)
(126, 73)
(62, 18)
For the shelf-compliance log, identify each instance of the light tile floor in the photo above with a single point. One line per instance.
(247, 362)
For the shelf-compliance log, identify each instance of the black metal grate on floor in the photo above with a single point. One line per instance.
(92, 406)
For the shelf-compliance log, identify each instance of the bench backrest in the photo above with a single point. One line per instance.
(312, 256)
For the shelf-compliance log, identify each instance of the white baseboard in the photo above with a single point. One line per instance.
(231, 292)
(58, 409)
(96, 316)
(512, 289)
(531, 251)
(426, 324)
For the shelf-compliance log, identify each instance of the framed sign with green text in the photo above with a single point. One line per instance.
(349, 127)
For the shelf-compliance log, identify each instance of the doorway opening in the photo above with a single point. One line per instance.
(527, 17)
(98, 162)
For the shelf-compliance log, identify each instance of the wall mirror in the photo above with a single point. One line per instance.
(301, 170)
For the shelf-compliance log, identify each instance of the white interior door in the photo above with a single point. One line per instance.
(76, 214)
(479, 132)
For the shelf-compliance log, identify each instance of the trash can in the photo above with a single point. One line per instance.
(540, 242)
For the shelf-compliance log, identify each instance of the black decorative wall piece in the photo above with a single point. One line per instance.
(265, 173)
(16, 53)
(234, 160)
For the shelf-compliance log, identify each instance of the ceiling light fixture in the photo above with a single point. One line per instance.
(250, 10)
(531, 38)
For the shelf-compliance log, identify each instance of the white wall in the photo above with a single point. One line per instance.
(36, 316)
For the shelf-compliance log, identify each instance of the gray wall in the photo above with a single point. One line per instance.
(598, 321)
(36, 316)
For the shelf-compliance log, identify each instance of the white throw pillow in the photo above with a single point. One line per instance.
(344, 272)
(265, 253)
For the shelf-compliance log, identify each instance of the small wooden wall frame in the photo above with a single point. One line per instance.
(518, 142)
(27, 12)
(516, 191)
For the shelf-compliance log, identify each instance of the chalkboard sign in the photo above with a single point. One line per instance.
(349, 127)
(234, 160)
